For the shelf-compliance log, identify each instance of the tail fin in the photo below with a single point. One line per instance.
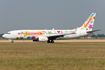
(88, 25)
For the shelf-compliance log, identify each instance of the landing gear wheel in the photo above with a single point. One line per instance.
(12, 41)
(48, 41)
(52, 41)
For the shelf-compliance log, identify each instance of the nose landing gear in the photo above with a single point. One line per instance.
(12, 41)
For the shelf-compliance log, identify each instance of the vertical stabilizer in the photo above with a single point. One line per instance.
(88, 25)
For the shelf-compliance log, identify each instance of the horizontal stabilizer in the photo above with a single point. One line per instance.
(93, 31)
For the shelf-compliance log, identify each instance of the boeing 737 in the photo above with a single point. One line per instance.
(51, 35)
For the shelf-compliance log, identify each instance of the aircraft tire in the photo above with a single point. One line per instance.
(52, 41)
(48, 41)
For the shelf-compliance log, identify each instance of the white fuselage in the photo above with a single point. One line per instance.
(34, 34)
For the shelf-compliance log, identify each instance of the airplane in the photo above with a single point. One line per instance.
(51, 35)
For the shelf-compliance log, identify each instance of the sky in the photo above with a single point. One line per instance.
(48, 14)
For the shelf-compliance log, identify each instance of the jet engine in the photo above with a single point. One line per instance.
(41, 38)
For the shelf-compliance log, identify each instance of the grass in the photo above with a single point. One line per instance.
(3, 39)
(57, 56)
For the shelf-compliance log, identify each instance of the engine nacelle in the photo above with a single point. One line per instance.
(41, 38)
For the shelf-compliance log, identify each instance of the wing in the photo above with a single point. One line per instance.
(54, 36)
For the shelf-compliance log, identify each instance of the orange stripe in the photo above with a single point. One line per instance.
(87, 23)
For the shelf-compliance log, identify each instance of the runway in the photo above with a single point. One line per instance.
(86, 40)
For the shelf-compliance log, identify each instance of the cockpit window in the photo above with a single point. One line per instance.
(8, 33)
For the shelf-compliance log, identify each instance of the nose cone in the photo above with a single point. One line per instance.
(4, 36)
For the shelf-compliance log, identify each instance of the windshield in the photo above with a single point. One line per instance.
(8, 33)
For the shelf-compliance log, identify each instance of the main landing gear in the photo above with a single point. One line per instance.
(52, 41)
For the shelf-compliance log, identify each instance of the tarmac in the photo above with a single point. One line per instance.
(95, 40)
